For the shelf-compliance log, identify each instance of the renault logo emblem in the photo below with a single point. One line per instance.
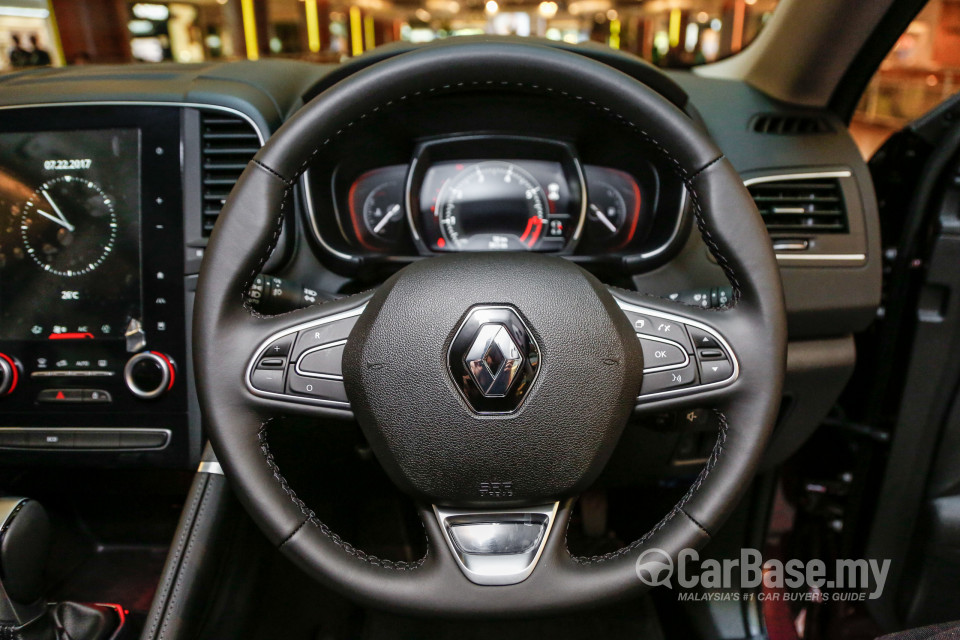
(493, 359)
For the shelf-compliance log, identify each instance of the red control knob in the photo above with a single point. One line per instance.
(149, 374)
(9, 374)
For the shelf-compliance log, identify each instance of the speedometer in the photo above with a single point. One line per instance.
(493, 206)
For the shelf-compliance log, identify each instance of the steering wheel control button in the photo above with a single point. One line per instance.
(321, 388)
(279, 348)
(669, 380)
(660, 327)
(658, 355)
(702, 339)
(493, 360)
(323, 361)
(711, 354)
(270, 380)
(715, 371)
(272, 363)
(323, 334)
(149, 374)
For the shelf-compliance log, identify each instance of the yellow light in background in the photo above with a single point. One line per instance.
(250, 29)
(736, 37)
(614, 34)
(369, 32)
(548, 8)
(674, 29)
(356, 31)
(313, 25)
(55, 30)
(492, 7)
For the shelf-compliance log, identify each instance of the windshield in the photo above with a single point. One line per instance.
(669, 33)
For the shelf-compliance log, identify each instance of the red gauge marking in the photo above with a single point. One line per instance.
(70, 336)
(534, 227)
(173, 371)
(16, 372)
(636, 211)
(354, 218)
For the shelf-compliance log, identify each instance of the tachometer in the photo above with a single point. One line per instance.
(491, 206)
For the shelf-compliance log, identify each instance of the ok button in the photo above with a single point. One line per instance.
(658, 354)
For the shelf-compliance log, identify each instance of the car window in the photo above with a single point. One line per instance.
(670, 34)
(921, 71)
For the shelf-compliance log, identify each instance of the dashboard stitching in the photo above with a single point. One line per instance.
(701, 478)
(311, 516)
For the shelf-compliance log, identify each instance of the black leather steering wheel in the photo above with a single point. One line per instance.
(492, 471)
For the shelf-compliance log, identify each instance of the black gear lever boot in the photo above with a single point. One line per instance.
(74, 621)
(24, 612)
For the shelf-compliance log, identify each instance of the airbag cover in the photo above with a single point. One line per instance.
(428, 437)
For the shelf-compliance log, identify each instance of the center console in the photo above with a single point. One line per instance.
(93, 335)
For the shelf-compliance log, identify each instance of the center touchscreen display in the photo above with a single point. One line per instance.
(69, 234)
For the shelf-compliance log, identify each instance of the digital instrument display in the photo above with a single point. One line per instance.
(498, 205)
(69, 234)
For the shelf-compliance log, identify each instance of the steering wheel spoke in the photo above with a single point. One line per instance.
(296, 363)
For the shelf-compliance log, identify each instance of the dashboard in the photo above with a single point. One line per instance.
(111, 180)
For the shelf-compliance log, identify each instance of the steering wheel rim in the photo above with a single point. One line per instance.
(226, 332)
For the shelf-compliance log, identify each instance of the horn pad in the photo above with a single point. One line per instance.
(492, 379)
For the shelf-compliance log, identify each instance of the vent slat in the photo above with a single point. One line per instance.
(228, 144)
(801, 206)
(791, 125)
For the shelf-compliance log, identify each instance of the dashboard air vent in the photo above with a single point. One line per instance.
(809, 205)
(782, 124)
(227, 144)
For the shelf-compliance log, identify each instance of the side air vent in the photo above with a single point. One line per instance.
(809, 205)
(782, 124)
(227, 144)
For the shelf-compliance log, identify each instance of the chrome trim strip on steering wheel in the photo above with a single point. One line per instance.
(506, 544)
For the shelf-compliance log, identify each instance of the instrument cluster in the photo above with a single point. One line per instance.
(498, 193)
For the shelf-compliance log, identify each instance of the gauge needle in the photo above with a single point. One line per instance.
(604, 219)
(63, 219)
(392, 211)
(59, 221)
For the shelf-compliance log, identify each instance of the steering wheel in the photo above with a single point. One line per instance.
(492, 388)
